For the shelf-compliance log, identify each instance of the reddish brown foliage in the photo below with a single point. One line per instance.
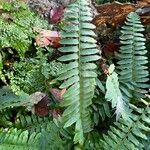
(57, 93)
(41, 108)
(115, 13)
(56, 14)
(110, 48)
(47, 37)
(56, 113)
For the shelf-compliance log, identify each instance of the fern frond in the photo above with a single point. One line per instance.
(79, 74)
(126, 135)
(9, 99)
(6, 116)
(132, 60)
(54, 137)
(50, 137)
(100, 109)
(93, 142)
(14, 139)
(114, 95)
(31, 123)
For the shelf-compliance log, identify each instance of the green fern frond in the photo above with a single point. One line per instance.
(126, 135)
(14, 139)
(114, 95)
(9, 99)
(132, 60)
(93, 142)
(6, 116)
(100, 109)
(50, 137)
(79, 74)
(54, 137)
(31, 123)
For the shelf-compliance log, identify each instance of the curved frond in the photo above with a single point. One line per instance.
(132, 60)
(14, 139)
(51, 137)
(9, 99)
(80, 49)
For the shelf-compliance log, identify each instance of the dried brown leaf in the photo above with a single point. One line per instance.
(115, 13)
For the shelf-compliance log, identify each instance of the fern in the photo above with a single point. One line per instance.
(100, 110)
(93, 142)
(14, 139)
(6, 118)
(31, 123)
(126, 135)
(54, 137)
(24, 75)
(51, 137)
(9, 99)
(114, 95)
(132, 71)
(79, 74)
(84, 105)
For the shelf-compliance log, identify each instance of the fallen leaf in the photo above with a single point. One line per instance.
(56, 14)
(56, 113)
(42, 41)
(115, 13)
(39, 104)
(104, 66)
(110, 48)
(41, 109)
(47, 37)
(36, 97)
(57, 93)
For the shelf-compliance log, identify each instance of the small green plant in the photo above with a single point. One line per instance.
(19, 20)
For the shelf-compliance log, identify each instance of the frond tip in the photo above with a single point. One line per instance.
(80, 50)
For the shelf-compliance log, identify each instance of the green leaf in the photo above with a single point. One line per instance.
(9, 99)
(68, 57)
(68, 49)
(111, 68)
(70, 82)
(68, 67)
(90, 58)
(89, 51)
(87, 32)
(87, 26)
(87, 39)
(68, 74)
(69, 41)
